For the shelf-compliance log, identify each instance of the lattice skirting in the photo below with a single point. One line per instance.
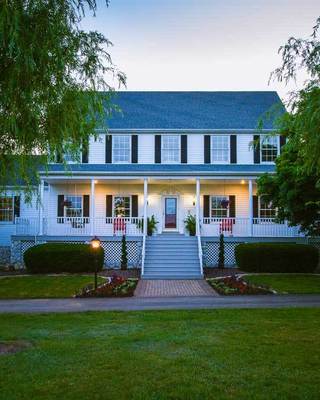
(112, 251)
(211, 253)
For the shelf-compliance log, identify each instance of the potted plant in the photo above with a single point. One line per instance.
(152, 225)
(190, 223)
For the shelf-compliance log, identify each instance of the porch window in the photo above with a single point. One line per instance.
(121, 149)
(6, 209)
(220, 148)
(170, 151)
(122, 206)
(269, 148)
(218, 206)
(266, 209)
(73, 207)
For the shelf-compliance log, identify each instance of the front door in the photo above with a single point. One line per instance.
(170, 213)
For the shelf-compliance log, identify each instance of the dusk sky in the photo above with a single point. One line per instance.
(202, 44)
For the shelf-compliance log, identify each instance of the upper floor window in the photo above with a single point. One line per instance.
(219, 206)
(266, 209)
(170, 151)
(73, 206)
(269, 148)
(6, 209)
(121, 149)
(220, 148)
(122, 206)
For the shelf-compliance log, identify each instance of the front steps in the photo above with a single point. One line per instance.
(171, 256)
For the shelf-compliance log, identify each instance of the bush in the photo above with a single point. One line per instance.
(62, 257)
(276, 257)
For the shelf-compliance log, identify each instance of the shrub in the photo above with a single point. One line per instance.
(276, 257)
(63, 257)
(124, 254)
(221, 252)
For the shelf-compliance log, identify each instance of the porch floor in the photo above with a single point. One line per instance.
(173, 288)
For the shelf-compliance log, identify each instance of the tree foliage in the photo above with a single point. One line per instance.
(50, 74)
(295, 187)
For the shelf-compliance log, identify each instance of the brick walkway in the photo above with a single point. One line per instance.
(173, 288)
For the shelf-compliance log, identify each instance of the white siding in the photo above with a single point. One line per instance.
(146, 149)
(244, 149)
(195, 149)
(97, 150)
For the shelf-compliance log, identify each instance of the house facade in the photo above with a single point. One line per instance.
(168, 155)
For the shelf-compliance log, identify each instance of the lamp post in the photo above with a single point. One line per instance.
(95, 245)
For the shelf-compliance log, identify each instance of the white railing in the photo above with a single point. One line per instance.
(257, 227)
(80, 226)
(143, 253)
(198, 231)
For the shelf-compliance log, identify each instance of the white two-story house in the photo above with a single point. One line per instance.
(167, 154)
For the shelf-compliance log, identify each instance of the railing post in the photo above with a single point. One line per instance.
(41, 190)
(198, 206)
(92, 208)
(145, 221)
(250, 208)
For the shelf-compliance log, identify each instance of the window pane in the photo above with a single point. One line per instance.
(170, 151)
(121, 149)
(6, 209)
(266, 209)
(218, 209)
(74, 208)
(220, 148)
(269, 148)
(121, 206)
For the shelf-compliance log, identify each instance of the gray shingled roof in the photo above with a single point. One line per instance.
(193, 110)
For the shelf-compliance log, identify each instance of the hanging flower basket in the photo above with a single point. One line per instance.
(225, 203)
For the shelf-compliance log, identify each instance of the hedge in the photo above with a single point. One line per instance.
(62, 257)
(276, 257)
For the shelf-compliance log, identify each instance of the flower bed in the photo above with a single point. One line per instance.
(235, 285)
(116, 286)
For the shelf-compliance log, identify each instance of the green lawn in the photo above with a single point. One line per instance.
(203, 354)
(33, 287)
(288, 283)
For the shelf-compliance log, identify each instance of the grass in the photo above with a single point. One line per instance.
(288, 283)
(42, 286)
(203, 354)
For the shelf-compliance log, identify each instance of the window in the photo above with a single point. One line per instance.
(266, 210)
(122, 206)
(6, 209)
(121, 149)
(73, 206)
(269, 148)
(220, 151)
(170, 151)
(219, 206)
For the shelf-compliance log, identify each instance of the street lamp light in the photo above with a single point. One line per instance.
(95, 243)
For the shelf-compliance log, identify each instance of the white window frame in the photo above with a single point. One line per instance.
(212, 137)
(114, 137)
(259, 210)
(9, 221)
(65, 208)
(264, 137)
(163, 150)
(211, 208)
(113, 204)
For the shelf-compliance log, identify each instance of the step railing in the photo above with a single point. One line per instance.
(200, 255)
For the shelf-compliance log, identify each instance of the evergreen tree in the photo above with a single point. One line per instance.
(221, 252)
(124, 253)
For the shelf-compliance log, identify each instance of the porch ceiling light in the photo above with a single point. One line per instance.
(243, 182)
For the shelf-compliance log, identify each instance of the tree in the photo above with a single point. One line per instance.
(124, 253)
(221, 252)
(50, 74)
(295, 187)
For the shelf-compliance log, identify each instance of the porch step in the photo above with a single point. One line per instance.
(172, 256)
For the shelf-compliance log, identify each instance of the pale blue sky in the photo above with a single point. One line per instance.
(201, 44)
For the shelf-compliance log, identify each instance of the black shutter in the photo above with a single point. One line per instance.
(255, 205)
(59, 157)
(16, 206)
(283, 141)
(184, 149)
(134, 149)
(232, 206)
(134, 206)
(86, 206)
(108, 149)
(60, 208)
(207, 158)
(206, 206)
(157, 149)
(109, 206)
(233, 149)
(85, 153)
(256, 149)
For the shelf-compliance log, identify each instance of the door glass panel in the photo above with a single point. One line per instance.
(170, 213)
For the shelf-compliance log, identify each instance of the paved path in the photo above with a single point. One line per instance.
(158, 303)
(173, 288)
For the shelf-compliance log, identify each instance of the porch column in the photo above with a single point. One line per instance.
(197, 206)
(92, 208)
(250, 208)
(41, 190)
(145, 206)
